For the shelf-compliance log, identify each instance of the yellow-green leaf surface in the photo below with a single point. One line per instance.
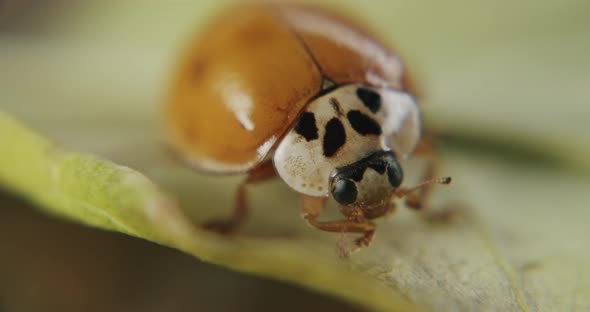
(90, 78)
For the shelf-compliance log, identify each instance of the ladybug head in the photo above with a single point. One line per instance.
(367, 183)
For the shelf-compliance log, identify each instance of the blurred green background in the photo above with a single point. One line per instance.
(91, 75)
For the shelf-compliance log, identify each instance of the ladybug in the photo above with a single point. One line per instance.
(304, 94)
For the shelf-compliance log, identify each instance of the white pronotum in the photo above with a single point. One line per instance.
(341, 127)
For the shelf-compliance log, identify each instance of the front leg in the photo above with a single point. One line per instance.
(311, 208)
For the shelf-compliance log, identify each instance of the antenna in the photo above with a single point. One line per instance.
(399, 193)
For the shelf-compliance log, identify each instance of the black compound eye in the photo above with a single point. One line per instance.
(394, 173)
(344, 191)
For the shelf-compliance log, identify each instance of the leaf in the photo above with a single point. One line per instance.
(518, 245)
(464, 265)
(96, 192)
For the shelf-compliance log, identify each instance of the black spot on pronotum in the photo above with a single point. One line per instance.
(362, 123)
(306, 127)
(334, 138)
(370, 98)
